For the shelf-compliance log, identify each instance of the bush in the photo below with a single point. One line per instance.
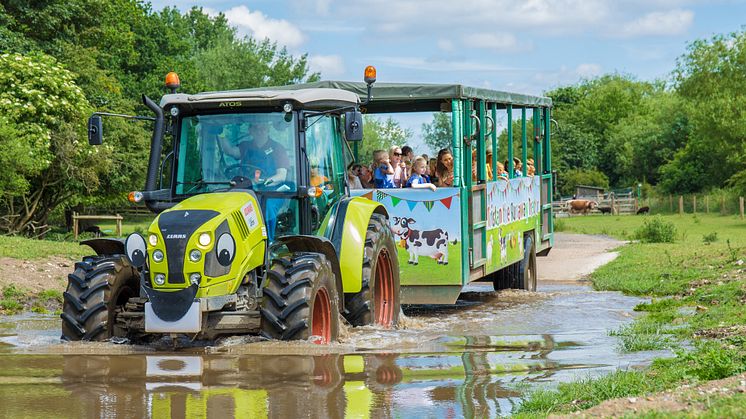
(656, 230)
(710, 238)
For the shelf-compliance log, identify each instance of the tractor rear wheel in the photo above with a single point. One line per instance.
(301, 299)
(378, 300)
(97, 287)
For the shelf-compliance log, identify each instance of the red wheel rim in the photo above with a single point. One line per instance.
(384, 291)
(322, 317)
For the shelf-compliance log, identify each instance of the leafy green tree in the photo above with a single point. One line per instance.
(43, 121)
(711, 77)
(438, 133)
(380, 134)
(567, 181)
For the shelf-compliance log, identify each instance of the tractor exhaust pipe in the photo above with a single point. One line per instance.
(156, 143)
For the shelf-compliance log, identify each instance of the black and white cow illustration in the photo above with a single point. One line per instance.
(433, 243)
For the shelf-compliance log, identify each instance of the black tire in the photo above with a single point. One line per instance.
(380, 248)
(527, 268)
(522, 274)
(297, 282)
(97, 287)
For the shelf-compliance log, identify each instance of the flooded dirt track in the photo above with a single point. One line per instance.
(471, 360)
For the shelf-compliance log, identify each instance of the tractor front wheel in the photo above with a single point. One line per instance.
(378, 300)
(97, 287)
(300, 299)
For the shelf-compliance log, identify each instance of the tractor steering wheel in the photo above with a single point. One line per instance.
(247, 168)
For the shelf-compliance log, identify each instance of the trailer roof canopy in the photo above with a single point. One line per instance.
(418, 97)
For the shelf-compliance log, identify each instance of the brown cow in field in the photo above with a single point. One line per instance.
(577, 206)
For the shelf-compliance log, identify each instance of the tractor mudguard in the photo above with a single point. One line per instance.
(105, 246)
(346, 226)
(316, 244)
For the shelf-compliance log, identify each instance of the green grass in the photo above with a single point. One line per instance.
(702, 295)
(23, 248)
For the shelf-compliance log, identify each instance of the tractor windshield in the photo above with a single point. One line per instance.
(216, 149)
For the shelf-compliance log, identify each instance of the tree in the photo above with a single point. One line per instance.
(438, 134)
(380, 134)
(43, 119)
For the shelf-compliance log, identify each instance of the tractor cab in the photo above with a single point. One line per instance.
(288, 147)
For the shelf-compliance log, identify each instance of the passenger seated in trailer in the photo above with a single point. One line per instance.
(383, 176)
(530, 169)
(444, 168)
(352, 179)
(517, 167)
(433, 164)
(501, 172)
(489, 162)
(417, 180)
(400, 167)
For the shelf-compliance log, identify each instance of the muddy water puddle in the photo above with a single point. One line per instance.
(472, 360)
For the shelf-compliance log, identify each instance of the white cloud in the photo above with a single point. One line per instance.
(672, 22)
(446, 45)
(492, 41)
(327, 65)
(260, 26)
(588, 70)
(439, 65)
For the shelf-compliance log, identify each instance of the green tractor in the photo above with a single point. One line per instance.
(255, 229)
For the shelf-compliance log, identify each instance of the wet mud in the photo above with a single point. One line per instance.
(474, 359)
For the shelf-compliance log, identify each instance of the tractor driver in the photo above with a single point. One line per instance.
(269, 158)
(258, 150)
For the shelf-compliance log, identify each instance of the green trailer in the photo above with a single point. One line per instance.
(493, 228)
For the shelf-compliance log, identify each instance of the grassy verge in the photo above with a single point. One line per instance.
(698, 285)
(15, 299)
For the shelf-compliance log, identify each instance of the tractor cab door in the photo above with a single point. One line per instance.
(326, 165)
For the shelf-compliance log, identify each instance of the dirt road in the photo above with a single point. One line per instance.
(575, 256)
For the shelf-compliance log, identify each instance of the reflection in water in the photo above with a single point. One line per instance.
(473, 381)
(472, 362)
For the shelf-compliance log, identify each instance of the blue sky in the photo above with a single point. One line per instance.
(528, 46)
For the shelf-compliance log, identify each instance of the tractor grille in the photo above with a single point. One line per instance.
(241, 223)
(177, 227)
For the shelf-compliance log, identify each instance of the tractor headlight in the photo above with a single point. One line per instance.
(159, 279)
(205, 239)
(158, 256)
(153, 239)
(195, 255)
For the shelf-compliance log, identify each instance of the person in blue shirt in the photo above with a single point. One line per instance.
(417, 180)
(383, 177)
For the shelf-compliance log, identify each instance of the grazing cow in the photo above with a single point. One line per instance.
(580, 206)
(433, 243)
(643, 210)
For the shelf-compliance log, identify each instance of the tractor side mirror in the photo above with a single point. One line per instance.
(354, 126)
(95, 130)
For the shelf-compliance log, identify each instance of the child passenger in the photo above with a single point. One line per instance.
(383, 176)
(417, 180)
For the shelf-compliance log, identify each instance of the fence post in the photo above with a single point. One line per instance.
(613, 205)
(75, 225)
(740, 204)
(722, 205)
(681, 204)
(119, 225)
(694, 203)
(707, 204)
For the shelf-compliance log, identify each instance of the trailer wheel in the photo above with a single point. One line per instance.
(300, 299)
(527, 268)
(97, 287)
(378, 301)
(522, 274)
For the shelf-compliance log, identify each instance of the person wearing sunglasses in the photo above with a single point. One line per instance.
(400, 168)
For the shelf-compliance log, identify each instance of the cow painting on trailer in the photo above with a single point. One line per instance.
(427, 231)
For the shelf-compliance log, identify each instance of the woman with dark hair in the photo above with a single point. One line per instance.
(444, 168)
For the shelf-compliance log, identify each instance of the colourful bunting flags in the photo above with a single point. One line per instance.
(428, 205)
